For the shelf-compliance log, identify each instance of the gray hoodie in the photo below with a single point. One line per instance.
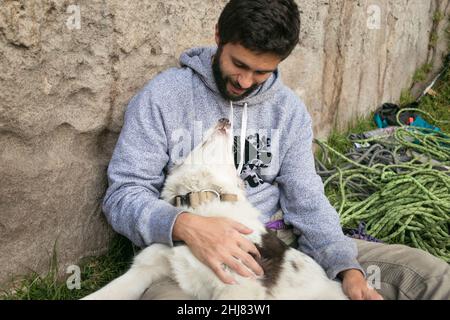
(273, 137)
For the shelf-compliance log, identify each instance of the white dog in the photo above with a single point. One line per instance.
(206, 184)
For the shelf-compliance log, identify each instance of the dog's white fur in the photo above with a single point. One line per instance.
(211, 166)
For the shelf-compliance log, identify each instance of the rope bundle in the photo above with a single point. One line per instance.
(399, 187)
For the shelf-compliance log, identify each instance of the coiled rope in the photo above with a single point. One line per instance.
(398, 187)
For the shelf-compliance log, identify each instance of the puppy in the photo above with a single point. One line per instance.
(206, 183)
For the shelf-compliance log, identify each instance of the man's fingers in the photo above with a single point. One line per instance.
(224, 276)
(238, 267)
(355, 295)
(376, 296)
(250, 247)
(242, 228)
(250, 262)
(372, 294)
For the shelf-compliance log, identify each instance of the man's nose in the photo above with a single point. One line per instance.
(245, 80)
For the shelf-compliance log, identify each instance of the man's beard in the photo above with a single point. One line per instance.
(222, 80)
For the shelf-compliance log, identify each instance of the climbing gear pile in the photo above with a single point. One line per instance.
(394, 185)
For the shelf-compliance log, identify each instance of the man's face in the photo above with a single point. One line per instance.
(238, 71)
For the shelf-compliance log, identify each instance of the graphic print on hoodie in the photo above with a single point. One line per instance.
(257, 156)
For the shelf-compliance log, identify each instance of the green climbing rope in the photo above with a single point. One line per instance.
(399, 187)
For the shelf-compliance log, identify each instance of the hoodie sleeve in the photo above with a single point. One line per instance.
(306, 207)
(135, 176)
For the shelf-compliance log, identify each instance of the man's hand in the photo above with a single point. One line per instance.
(218, 241)
(356, 287)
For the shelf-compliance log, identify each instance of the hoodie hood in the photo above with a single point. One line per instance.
(200, 61)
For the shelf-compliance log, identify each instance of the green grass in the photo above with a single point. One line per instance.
(339, 139)
(421, 74)
(439, 106)
(438, 16)
(95, 273)
(434, 37)
(406, 97)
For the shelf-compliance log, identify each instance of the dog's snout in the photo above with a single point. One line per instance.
(223, 125)
(224, 121)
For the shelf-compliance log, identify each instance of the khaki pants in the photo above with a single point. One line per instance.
(405, 274)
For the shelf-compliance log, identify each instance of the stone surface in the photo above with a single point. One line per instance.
(63, 91)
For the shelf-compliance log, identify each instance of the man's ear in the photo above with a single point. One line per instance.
(217, 35)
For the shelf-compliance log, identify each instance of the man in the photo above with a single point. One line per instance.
(240, 79)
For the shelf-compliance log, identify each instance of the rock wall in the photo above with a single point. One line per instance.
(68, 69)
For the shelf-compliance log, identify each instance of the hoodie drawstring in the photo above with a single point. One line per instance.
(243, 133)
(232, 126)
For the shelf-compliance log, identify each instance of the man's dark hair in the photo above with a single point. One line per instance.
(262, 26)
